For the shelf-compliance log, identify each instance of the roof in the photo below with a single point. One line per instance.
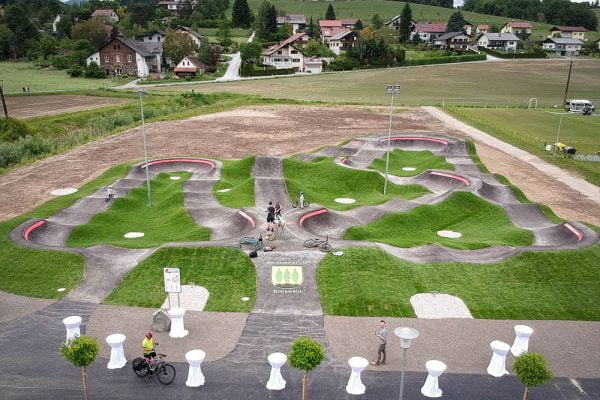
(194, 61)
(563, 41)
(513, 24)
(392, 19)
(431, 28)
(498, 37)
(101, 13)
(272, 49)
(332, 31)
(341, 35)
(152, 33)
(349, 21)
(450, 35)
(188, 30)
(292, 19)
(139, 47)
(330, 23)
(568, 29)
(483, 26)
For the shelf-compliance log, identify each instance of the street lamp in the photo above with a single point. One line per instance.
(141, 93)
(390, 90)
(558, 132)
(406, 335)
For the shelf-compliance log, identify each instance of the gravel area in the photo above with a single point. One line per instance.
(437, 306)
(191, 298)
(214, 332)
(570, 347)
(13, 306)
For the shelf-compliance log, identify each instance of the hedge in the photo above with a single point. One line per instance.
(267, 72)
(537, 53)
(445, 60)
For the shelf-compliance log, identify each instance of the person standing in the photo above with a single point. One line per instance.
(382, 336)
(270, 216)
(148, 346)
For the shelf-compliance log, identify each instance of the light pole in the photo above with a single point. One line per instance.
(406, 335)
(558, 131)
(390, 90)
(141, 93)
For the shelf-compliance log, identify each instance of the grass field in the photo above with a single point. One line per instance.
(166, 221)
(227, 274)
(421, 160)
(322, 181)
(560, 285)
(235, 175)
(530, 129)
(38, 273)
(479, 83)
(18, 74)
(482, 224)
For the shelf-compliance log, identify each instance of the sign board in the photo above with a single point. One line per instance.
(172, 280)
(286, 276)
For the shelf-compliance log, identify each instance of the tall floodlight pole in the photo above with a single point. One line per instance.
(406, 336)
(558, 131)
(141, 93)
(390, 90)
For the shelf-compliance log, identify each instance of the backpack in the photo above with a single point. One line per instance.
(138, 363)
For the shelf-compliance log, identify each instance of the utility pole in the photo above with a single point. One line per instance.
(568, 81)
(3, 101)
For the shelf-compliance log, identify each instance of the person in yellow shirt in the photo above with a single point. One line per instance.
(148, 346)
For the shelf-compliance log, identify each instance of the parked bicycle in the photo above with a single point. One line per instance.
(109, 194)
(149, 367)
(321, 244)
(252, 242)
(300, 201)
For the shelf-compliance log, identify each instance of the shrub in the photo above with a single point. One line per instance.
(93, 70)
(343, 63)
(9, 154)
(60, 62)
(531, 369)
(306, 355)
(81, 352)
(122, 118)
(75, 71)
(33, 146)
(12, 129)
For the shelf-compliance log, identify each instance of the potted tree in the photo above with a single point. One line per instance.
(81, 352)
(531, 369)
(306, 355)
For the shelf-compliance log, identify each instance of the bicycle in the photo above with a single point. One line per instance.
(165, 371)
(252, 242)
(321, 244)
(300, 201)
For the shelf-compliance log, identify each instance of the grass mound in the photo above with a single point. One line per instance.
(481, 224)
(235, 175)
(227, 274)
(558, 285)
(421, 160)
(166, 221)
(323, 180)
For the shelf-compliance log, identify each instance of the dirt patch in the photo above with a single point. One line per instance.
(36, 106)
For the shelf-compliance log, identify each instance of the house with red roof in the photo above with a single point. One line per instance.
(482, 28)
(571, 32)
(341, 41)
(288, 53)
(109, 14)
(349, 23)
(428, 32)
(521, 29)
(189, 66)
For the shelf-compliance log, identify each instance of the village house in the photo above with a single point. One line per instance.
(482, 28)
(168, 4)
(341, 41)
(288, 54)
(349, 23)
(156, 36)
(468, 28)
(196, 38)
(563, 46)
(189, 67)
(297, 22)
(502, 41)
(126, 56)
(573, 32)
(329, 28)
(452, 40)
(109, 14)
(428, 32)
(521, 29)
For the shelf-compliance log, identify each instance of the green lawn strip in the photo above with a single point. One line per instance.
(166, 221)
(473, 154)
(323, 180)
(226, 273)
(553, 285)
(39, 273)
(482, 224)
(421, 160)
(235, 175)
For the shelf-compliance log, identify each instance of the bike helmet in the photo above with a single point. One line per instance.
(149, 335)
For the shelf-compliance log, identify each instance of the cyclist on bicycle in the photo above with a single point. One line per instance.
(301, 200)
(148, 347)
(109, 193)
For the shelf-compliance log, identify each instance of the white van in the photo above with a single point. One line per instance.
(578, 106)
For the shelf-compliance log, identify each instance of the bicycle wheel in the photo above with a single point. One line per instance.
(294, 204)
(256, 246)
(143, 371)
(325, 248)
(306, 204)
(244, 240)
(310, 243)
(166, 374)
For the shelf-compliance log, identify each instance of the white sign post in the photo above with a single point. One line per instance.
(172, 279)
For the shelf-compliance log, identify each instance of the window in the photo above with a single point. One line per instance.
(114, 46)
(279, 52)
(128, 57)
(118, 47)
(294, 51)
(296, 60)
(106, 58)
(117, 58)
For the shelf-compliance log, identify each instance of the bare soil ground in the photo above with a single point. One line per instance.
(36, 106)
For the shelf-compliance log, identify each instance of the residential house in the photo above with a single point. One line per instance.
(428, 32)
(341, 41)
(189, 66)
(168, 4)
(313, 65)
(563, 46)
(482, 28)
(349, 23)
(521, 29)
(573, 32)
(468, 28)
(156, 36)
(329, 28)
(196, 38)
(502, 41)
(394, 23)
(598, 44)
(297, 21)
(109, 14)
(452, 40)
(127, 56)
(287, 54)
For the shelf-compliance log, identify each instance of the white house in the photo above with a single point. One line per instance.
(503, 41)
(156, 36)
(288, 54)
(428, 32)
(168, 4)
(517, 28)
(572, 32)
(341, 41)
(297, 21)
(196, 38)
(563, 46)
(452, 40)
(110, 14)
(189, 66)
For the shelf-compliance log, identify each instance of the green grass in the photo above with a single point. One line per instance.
(421, 160)
(558, 285)
(322, 181)
(227, 274)
(481, 224)
(166, 221)
(473, 154)
(234, 32)
(235, 175)
(459, 84)
(43, 80)
(530, 129)
(38, 273)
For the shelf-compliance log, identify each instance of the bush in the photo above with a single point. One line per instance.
(12, 153)
(12, 129)
(536, 53)
(60, 62)
(343, 63)
(93, 70)
(531, 370)
(445, 60)
(267, 72)
(75, 71)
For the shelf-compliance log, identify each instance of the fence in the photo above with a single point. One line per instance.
(587, 157)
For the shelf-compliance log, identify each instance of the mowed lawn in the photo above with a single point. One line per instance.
(419, 160)
(511, 82)
(530, 129)
(17, 75)
(561, 285)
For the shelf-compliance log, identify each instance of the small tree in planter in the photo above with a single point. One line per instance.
(306, 355)
(81, 352)
(531, 369)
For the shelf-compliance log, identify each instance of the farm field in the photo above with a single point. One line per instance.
(16, 75)
(530, 129)
(477, 83)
